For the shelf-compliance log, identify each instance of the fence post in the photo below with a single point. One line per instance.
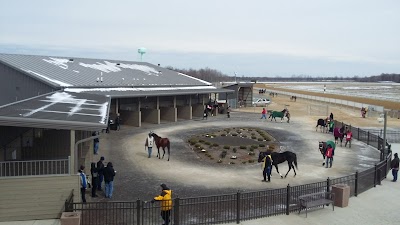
(287, 199)
(138, 211)
(238, 207)
(67, 206)
(368, 138)
(176, 211)
(358, 133)
(375, 171)
(379, 176)
(356, 185)
(328, 184)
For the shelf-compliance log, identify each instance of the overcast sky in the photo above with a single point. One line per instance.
(252, 38)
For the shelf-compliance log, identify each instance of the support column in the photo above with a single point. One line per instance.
(117, 106)
(72, 161)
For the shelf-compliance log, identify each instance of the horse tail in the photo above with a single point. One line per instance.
(295, 161)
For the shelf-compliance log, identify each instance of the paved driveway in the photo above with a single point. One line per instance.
(188, 176)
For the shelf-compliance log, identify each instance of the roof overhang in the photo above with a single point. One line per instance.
(58, 110)
(149, 92)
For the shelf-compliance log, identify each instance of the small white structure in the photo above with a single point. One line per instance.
(381, 118)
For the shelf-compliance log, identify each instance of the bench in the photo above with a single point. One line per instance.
(316, 199)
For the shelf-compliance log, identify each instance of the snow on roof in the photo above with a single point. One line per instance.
(62, 63)
(182, 74)
(62, 84)
(146, 69)
(79, 90)
(107, 67)
(78, 105)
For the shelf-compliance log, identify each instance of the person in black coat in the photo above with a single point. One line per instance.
(109, 174)
(118, 122)
(394, 165)
(100, 170)
(95, 177)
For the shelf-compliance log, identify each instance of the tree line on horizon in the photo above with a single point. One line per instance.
(212, 75)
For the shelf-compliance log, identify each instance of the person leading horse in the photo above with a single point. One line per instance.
(278, 158)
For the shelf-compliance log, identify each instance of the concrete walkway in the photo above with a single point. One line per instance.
(376, 206)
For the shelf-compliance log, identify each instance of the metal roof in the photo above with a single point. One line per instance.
(81, 72)
(143, 92)
(58, 110)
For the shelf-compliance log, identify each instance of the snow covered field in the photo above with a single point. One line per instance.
(383, 91)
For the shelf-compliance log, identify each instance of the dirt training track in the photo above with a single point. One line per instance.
(189, 176)
(385, 104)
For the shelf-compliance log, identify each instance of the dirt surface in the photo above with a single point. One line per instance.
(190, 176)
(341, 113)
(385, 104)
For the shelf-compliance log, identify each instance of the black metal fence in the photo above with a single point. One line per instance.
(234, 207)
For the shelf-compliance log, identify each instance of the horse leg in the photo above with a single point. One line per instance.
(290, 167)
(168, 152)
(164, 152)
(158, 152)
(294, 170)
(276, 166)
(323, 162)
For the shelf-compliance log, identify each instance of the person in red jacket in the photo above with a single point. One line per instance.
(349, 136)
(264, 114)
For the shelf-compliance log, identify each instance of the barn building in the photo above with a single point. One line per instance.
(50, 107)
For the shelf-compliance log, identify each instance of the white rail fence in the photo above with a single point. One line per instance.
(373, 110)
(34, 168)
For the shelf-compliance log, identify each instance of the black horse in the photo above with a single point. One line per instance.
(322, 149)
(323, 123)
(278, 158)
(293, 98)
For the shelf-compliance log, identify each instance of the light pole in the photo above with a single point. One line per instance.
(384, 131)
(235, 78)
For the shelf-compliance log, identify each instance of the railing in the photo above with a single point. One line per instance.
(392, 136)
(235, 207)
(34, 168)
(376, 110)
(228, 208)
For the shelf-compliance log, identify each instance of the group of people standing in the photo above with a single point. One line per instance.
(338, 133)
(99, 173)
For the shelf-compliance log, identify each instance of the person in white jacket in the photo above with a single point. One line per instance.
(149, 144)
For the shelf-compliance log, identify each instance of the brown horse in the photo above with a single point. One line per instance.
(163, 143)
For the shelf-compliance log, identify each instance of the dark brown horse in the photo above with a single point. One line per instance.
(163, 143)
(278, 158)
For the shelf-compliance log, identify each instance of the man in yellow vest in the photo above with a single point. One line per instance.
(166, 203)
(267, 167)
